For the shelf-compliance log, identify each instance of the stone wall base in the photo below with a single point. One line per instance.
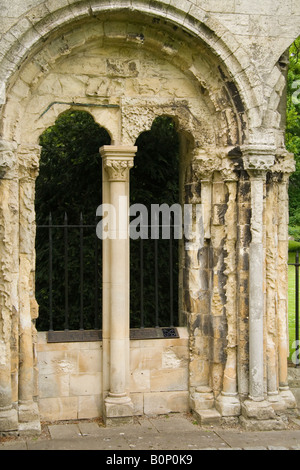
(8, 420)
(24, 422)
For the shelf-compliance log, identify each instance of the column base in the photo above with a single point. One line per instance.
(288, 397)
(260, 416)
(202, 399)
(277, 402)
(228, 405)
(8, 420)
(29, 419)
(117, 411)
(208, 417)
(203, 406)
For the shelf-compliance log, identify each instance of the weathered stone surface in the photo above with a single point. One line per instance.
(257, 410)
(262, 424)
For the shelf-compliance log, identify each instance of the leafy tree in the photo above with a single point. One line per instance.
(69, 182)
(293, 135)
(155, 180)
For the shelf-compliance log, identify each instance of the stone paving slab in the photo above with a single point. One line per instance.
(174, 433)
(285, 439)
(61, 431)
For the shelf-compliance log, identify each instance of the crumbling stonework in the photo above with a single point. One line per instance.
(219, 70)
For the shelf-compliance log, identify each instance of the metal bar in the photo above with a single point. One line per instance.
(50, 275)
(96, 284)
(156, 280)
(66, 272)
(81, 271)
(171, 275)
(297, 307)
(142, 281)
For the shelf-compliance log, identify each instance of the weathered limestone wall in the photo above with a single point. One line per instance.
(70, 377)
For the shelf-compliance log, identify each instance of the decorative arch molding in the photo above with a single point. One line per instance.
(36, 26)
(210, 93)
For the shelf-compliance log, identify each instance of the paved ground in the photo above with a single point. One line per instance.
(174, 433)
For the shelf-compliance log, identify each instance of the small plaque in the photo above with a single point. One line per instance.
(153, 333)
(69, 336)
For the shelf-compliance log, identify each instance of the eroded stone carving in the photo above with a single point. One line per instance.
(117, 169)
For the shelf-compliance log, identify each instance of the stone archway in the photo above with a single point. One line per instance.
(126, 75)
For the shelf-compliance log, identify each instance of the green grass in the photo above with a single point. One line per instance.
(291, 301)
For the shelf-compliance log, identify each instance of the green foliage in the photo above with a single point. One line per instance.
(69, 182)
(294, 246)
(155, 180)
(293, 132)
(70, 168)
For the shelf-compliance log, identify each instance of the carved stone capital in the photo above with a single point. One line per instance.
(258, 159)
(117, 169)
(284, 163)
(117, 161)
(203, 166)
(8, 160)
(29, 160)
(205, 163)
(228, 170)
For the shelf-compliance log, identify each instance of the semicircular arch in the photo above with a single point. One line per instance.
(36, 28)
(125, 75)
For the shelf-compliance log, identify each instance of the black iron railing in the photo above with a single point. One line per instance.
(154, 280)
(64, 248)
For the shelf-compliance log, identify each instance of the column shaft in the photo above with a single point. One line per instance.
(117, 162)
(256, 292)
(28, 171)
(9, 254)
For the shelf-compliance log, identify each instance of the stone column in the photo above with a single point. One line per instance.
(28, 170)
(257, 160)
(228, 403)
(117, 161)
(283, 347)
(285, 165)
(256, 290)
(9, 254)
(271, 219)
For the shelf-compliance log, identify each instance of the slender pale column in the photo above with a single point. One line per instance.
(271, 218)
(283, 347)
(257, 160)
(9, 254)
(117, 161)
(28, 170)
(256, 290)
